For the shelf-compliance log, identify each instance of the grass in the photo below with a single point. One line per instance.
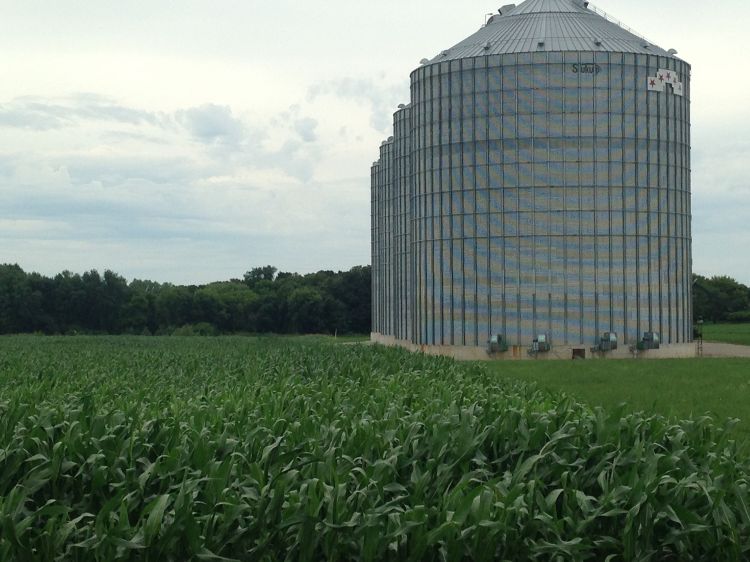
(727, 333)
(677, 388)
(239, 448)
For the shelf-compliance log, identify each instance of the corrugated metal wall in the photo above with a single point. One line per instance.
(377, 298)
(401, 202)
(543, 199)
(384, 233)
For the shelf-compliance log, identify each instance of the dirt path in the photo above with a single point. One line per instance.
(711, 349)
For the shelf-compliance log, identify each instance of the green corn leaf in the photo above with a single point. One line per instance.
(155, 517)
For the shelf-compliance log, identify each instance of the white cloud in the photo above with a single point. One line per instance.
(305, 127)
(212, 123)
(41, 114)
(205, 184)
(380, 97)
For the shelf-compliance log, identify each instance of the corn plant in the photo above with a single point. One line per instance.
(280, 449)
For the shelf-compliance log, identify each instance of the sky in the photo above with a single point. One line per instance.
(191, 141)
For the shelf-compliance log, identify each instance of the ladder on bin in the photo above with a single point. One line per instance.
(698, 334)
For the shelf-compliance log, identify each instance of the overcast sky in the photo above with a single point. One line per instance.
(189, 141)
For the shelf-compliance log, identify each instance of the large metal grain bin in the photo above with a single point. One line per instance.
(383, 234)
(401, 205)
(375, 247)
(550, 185)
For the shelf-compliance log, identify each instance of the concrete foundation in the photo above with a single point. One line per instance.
(520, 353)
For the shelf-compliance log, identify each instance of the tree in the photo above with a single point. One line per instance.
(70, 302)
(237, 303)
(137, 314)
(115, 296)
(174, 307)
(15, 300)
(354, 288)
(265, 300)
(306, 311)
(266, 273)
(731, 296)
(718, 297)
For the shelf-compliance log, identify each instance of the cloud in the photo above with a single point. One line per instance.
(381, 99)
(95, 181)
(42, 114)
(305, 127)
(115, 168)
(298, 159)
(116, 142)
(720, 159)
(210, 123)
(144, 229)
(199, 193)
(720, 204)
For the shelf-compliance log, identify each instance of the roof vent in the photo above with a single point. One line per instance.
(401, 106)
(488, 45)
(505, 9)
(424, 61)
(646, 45)
(672, 52)
(598, 42)
(390, 139)
(540, 44)
(444, 53)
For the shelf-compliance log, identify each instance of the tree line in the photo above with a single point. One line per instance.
(263, 301)
(720, 299)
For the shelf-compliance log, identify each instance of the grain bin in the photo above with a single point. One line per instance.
(549, 186)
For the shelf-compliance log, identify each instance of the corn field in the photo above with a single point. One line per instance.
(161, 449)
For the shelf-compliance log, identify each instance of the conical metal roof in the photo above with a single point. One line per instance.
(550, 25)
